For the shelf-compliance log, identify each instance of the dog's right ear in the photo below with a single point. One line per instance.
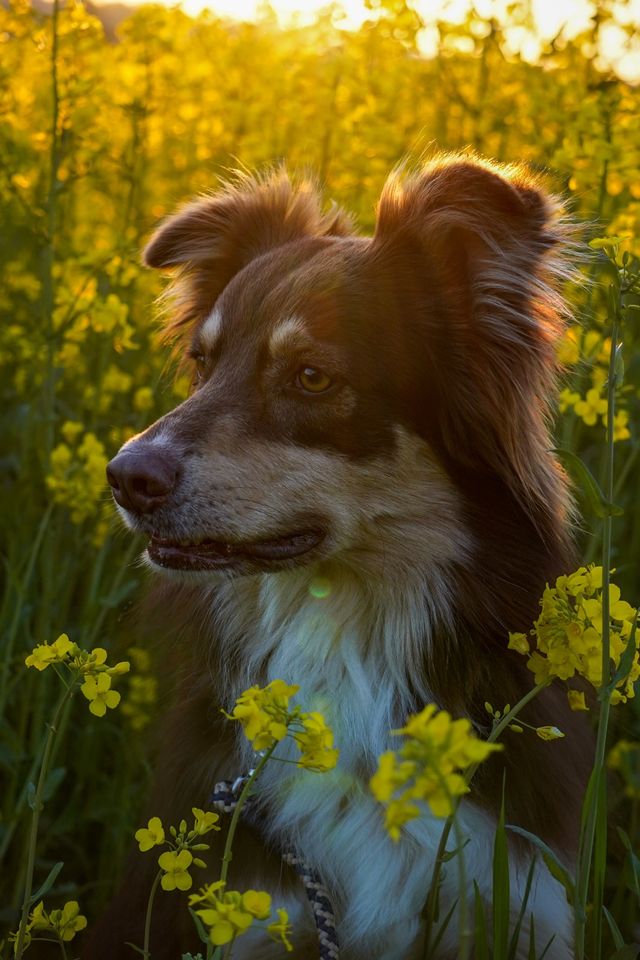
(226, 230)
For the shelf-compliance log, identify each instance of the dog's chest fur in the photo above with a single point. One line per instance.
(352, 650)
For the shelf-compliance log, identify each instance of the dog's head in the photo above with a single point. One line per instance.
(344, 385)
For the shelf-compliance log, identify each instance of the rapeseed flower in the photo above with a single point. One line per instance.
(64, 923)
(151, 835)
(267, 718)
(625, 759)
(175, 866)
(264, 713)
(280, 930)
(89, 666)
(428, 768)
(228, 914)
(97, 690)
(316, 743)
(204, 821)
(568, 635)
(593, 406)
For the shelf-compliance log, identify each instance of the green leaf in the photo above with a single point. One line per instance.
(48, 883)
(442, 928)
(618, 939)
(633, 859)
(629, 952)
(588, 485)
(481, 945)
(532, 939)
(501, 898)
(546, 949)
(515, 937)
(200, 927)
(450, 854)
(553, 864)
(624, 667)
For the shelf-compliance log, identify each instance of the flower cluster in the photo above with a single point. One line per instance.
(267, 718)
(428, 768)
(77, 476)
(142, 691)
(64, 923)
(545, 732)
(88, 666)
(228, 914)
(625, 759)
(593, 349)
(568, 635)
(176, 862)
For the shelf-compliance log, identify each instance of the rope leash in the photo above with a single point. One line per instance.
(225, 798)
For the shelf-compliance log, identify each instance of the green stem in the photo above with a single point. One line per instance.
(242, 799)
(38, 805)
(19, 608)
(430, 907)
(597, 795)
(147, 919)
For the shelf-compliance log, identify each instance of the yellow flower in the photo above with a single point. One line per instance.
(568, 634)
(228, 914)
(68, 921)
(143, 399)
(151, 835)
(280, 930)
(576, 700)
(64, 923)
(625, 758)
(567, 399)
(257, 903)
(428, 767)
(175, 866)
(204, 822)
(97, 690)
(549, 733)
(568, 350)
(264, 713)
(391, 774)
(45, 654)
(519, 642)
(591, 407)
(316, 743)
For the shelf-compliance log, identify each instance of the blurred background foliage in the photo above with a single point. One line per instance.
(99, 138)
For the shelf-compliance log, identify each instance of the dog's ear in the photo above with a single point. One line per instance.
(490, 243)
(244, 219)
(212, 238)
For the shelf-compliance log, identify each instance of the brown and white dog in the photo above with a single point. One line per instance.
(358, 497)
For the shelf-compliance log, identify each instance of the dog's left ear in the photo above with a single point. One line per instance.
(488, 243)
(210, 239)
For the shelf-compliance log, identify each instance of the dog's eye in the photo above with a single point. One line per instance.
(313, 380)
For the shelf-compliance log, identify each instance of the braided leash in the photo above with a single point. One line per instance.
(225, 798)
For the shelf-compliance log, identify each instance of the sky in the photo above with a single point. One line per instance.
(617, 49)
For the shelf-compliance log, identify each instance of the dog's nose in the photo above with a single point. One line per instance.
(141, 479)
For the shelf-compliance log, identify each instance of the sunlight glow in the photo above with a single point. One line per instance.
(619, 38)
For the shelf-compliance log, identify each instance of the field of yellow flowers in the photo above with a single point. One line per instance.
(99, 138)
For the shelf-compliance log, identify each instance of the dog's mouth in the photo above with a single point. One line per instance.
(218, 554)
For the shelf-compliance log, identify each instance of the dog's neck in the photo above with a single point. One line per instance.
(353, 644)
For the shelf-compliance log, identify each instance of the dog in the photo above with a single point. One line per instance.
(371, 415)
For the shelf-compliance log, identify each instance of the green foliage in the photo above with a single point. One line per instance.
(99, 139)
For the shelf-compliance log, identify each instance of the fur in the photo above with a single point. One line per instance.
(430, 506)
